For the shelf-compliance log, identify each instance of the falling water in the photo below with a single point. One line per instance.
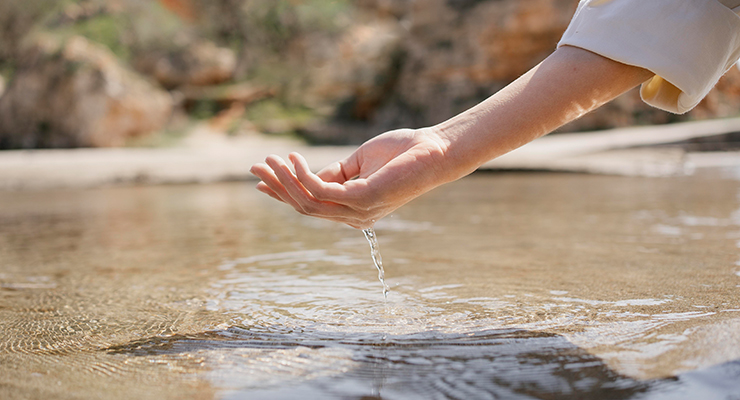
(375, 253)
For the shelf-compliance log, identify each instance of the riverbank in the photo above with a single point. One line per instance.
(208, 156)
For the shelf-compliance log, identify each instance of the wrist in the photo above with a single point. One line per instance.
(449, 167)
(464, 150)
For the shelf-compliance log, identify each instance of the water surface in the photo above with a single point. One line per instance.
(503, 286)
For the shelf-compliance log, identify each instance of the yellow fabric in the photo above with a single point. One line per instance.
(660, 93)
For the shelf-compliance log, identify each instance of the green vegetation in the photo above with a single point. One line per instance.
(107, 30)
(6, 71)
(137, 28)
(204, 109)
(266, 36)
(273, 116)
(324, 15)
(18, 18)
(165, 138)
(271, 23)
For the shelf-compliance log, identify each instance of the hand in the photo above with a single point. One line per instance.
(397, 166)
(380, 176)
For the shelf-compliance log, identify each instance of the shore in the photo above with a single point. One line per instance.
(208, 156)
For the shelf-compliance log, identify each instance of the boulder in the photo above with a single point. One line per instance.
(349, 76)
(185, 9)
(199, 64)
(347, 79)
(410, 64)
(423, 62)
(77, 94)
(460, 52)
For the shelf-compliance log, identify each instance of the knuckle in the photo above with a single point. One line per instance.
(319, 195)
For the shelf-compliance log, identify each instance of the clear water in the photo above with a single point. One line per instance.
(372, 239)
(504, 286)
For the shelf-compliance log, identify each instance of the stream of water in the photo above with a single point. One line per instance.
(377, 259)
(550, 286)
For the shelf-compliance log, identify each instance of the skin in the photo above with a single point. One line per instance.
(395, 167)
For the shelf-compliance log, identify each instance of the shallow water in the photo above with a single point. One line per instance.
(503, 286)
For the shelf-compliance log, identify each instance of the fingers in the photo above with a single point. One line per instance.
(321, 190)
(287, 179)
(340, 171)
(324, 191)
(271, 185)
(307, 193)
(302, 199)
(262, 187)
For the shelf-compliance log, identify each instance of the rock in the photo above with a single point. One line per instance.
(723, 101)
(350, 76)
(199, 64)
(77, 94)
(460, 52)
(243, 93)
(413, 63)
(183, 8)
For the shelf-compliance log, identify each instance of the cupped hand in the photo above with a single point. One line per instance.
(383, 174)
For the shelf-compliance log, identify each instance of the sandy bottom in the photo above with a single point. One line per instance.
(502, 286)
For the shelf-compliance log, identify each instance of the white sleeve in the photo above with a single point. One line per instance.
(688, 44)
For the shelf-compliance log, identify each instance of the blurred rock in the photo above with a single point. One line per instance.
(412, 63)
(2, 85)
(83, 10)
(226, 95)
(350, 76)
(356, 68)
(460, 52)
(78, 95)
(202, 63)
(183, 8)
(385, 8)
(418, 63)
(723, 101)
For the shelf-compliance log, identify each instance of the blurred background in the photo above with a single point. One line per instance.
(144, 73)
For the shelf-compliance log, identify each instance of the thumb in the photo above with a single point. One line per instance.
(341, 171)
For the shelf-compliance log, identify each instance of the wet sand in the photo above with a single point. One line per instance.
(207, 156)
(502, 284)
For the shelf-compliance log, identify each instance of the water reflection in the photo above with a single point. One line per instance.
(427, 365)
(547, 286)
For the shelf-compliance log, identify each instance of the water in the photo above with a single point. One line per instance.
(524, 286)
(377, 259)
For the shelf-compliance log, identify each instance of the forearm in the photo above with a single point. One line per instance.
(568, 84)
(397, 166)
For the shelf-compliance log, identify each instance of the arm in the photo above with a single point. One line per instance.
(398, 166)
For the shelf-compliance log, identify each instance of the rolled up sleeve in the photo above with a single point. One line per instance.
(688, 44)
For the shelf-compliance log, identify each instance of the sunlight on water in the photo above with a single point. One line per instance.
(526, 288)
